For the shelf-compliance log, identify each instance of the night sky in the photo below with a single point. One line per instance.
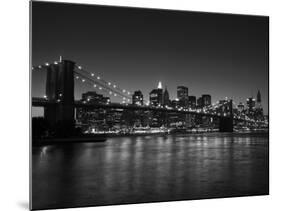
(217, 54)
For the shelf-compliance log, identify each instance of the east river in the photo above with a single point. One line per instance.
(150, 169)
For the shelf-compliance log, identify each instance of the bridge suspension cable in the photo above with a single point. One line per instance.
(107, 83)
(101, 87)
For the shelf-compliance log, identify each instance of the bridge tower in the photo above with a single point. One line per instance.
(60, 90)
(226, 122)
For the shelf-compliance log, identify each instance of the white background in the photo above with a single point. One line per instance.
(14, 98)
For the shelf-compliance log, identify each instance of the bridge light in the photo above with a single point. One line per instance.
(92, 74)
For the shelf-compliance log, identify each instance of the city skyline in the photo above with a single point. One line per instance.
(134, 105)
(136, 56)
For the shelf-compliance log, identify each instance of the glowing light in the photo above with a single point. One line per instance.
(114, 86)
(98, 78)
(39, 66)
(124, 90)
(128, 100)
(109, 83)
(159, 85)
(95, 85)
(129, 93)
(32, 68)
(115, 94)
(110, 92)
(92, 74)
(83, 80)
(45, 96)
(100, 88)
(47, 64)
(77, 77)
(79, 67)
(55, 62)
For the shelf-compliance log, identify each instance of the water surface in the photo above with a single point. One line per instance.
(150, 169)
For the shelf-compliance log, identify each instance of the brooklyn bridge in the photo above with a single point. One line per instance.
(60, 105)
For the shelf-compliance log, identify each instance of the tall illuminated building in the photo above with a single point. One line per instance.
(137, 98)
(199, 102)
(206, 100)
(182, 95)
(156, 96)
(259, 109)
(166, 98)
(192, 102)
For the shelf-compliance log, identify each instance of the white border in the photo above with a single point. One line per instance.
(14, 110)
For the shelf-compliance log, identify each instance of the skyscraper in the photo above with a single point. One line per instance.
(206, 100)
(137, 98)
(166, 97)
(199, 102)
(182, 94)
(156, 96)
(192, 102)
(259, 109)
(251, 102)
(259, 97)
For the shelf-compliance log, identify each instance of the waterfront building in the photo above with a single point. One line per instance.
(93, 97)
(166, 98)
(206, 100)
(182, 95)
(156, 96)
(251, 102)
(199, 102)
(259, 109)
(192, 102)
(137, 98)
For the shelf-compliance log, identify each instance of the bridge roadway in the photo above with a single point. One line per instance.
(41, 102)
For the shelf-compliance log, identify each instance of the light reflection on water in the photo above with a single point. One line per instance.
(150, 168)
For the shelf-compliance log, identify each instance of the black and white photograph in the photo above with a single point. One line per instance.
(138, 105)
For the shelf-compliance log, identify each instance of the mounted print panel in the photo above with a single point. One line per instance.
(134, 105)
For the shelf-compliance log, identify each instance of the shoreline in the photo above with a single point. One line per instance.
(100, 138)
